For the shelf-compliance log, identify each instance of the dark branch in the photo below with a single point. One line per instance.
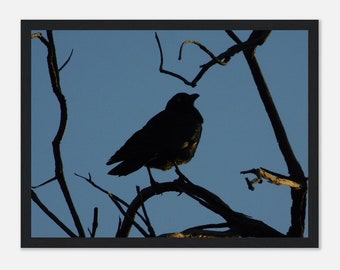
(203, 48)
(119, 225)
(56, 220)
(117, 201)
(272, 177)
(41, 38)
(166, 71)
(46, 182)
(221, 59)
(127, 216)
(209, 226)
(298, 209)
(294, 168)
(245, 226)
(66, 62)
(55, 82)
(148, 223)
(94, 223)
(298, 212)
(233, 36)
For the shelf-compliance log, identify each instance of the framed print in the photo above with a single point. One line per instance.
(144, 133)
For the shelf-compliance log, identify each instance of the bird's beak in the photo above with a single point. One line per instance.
(194, 96)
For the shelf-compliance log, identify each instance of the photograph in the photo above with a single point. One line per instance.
(169, 133)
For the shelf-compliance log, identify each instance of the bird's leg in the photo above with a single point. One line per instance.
(153, 182)
(182, 177)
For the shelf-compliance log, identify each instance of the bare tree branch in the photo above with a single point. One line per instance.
(294, 168)
(117, 201)
(94, 223)
(293, 165)
(127, 216)
(46, 182)
(240, 223)
(36, 199)
(221, 59)
(298, 209)
(203, 48)
(55, 81)
(272, 177)
(41, 37)
(166, 71)
(148, 223)
(66, 62)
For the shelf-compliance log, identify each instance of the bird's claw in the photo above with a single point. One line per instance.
(156, 186)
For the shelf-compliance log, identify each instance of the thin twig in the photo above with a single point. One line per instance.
(166, 71)
(66, 62)
(222, 58)
(210, 226)
(119, 225)
(116, 200)
(233, 36)
(46, 182)
(56, 220)
(272, 177)
(41, 37)
(94, 223)
(127, 216)
(203, 48)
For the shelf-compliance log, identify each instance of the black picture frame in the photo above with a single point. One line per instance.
(312, 26)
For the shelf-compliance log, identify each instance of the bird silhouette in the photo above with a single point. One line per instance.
(168, 139)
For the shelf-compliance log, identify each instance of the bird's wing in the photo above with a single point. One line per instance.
(171, 132)
(165, 132)
(142, 144)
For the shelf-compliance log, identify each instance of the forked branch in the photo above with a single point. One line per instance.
(298, 208)
(272, 177)
(239, 223)
(55, 82)
(222, 59)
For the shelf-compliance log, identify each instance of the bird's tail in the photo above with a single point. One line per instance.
(126, 167)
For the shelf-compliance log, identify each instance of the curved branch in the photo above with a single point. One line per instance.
(240, 223)
(41, 37)
(66, 62)
(166, 71)
(222, 58)
(203, 48)
(117, 201)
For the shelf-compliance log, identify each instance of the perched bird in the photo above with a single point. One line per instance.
(168, 139)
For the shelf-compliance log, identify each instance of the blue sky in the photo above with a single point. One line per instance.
(113, 86)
